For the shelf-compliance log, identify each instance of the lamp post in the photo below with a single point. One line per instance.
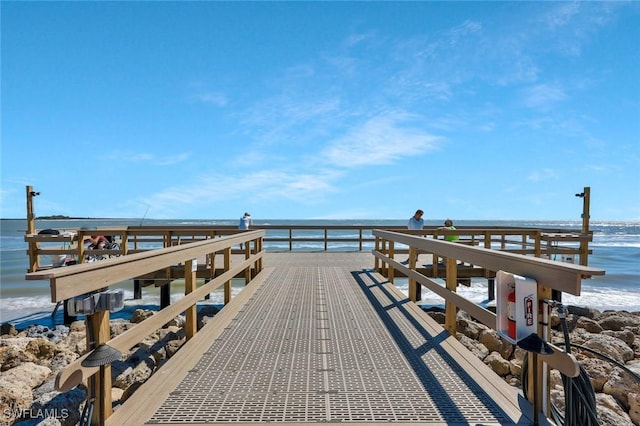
(31, 219)
(584, 240)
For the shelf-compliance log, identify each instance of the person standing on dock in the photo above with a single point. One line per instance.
(416, 222)
(245, 223)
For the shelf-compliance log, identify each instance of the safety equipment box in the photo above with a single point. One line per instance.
(516, 306)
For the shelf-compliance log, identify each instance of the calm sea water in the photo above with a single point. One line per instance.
(616, 249)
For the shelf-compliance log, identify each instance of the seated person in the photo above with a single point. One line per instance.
(448, 224)
(97, 242)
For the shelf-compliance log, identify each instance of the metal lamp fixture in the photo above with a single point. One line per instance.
(102, 355)
(533, 343)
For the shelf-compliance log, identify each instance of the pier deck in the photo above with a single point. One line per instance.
(320, 338)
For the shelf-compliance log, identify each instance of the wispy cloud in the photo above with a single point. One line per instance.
(381, 140)
(211, 98)
(544, 95)
(543, 175)
(274, 186)
(148, 158)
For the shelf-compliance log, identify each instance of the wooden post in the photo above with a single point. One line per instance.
(259, 248)
(290, 239)
(31, 229)
(326, 237)
(542, 376)
(31, 219)
(584, 243)
(415, 289)
(165, 295)
(376, 261)
(491, 289)
(450, 321)
(98, 323)
(390, 274)
(227, 266)
(191, 322)
(137, 289)
(537, 235)
(247, 255)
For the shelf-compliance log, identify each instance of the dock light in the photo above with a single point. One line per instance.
(102, 355)
(110, 300)
(533, 343)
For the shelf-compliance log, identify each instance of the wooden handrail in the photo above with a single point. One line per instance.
(83, 279)
(135, 239)
(548, 274)
(564, 277)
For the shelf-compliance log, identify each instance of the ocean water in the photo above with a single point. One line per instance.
(616, 249)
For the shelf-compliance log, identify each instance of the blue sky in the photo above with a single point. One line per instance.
(321, 110)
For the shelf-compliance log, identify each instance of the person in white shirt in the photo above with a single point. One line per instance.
(245, 223)
(416, 221)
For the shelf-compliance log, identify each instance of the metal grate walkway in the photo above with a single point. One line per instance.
(330, 344)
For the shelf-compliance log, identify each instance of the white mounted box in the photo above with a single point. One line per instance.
(523, 309)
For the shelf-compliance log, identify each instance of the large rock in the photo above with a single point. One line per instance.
(498, 364)
(119, 326)
(583, 311)
(54, 335)
(494, 342)
(476, 348)
(469, 328)
(609, 346)
(16, 394)
(619, 320)
(620, 385)
(634, 407)
(14, 356)
(626, 336)
(140, 315)
(42, 349)
(589, 325)
(62, 407)
(610, 413)
(136, 374)
(76, 341)
(598, 370)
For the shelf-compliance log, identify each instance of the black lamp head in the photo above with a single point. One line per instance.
(102, 355)
(533, 343)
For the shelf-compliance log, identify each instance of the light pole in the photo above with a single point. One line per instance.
(585, 237)
(31, 219)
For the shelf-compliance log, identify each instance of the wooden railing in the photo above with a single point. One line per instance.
(547, 243)
(88, 278)
(549, 275)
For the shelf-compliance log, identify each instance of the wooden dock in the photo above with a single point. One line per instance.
(322, 338)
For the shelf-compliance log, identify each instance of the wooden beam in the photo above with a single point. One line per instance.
(191, 321)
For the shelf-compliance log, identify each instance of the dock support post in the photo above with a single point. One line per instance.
(450, 311)
(584, 242)
(66, 318)
(491, 289)
(137, 289)
(415, 293)
(98, 331)
(191, 321)
(165, 295)
(227, 284)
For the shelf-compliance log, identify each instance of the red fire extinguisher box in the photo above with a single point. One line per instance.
(516, 306)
